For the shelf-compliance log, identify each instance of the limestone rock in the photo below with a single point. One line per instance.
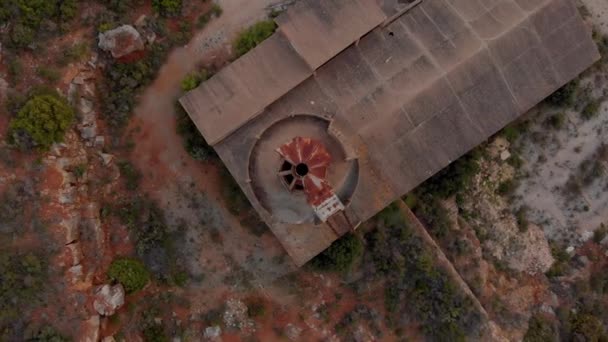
(213, 333)
(85, 106)
(293, 332)
(75, 274)
(121, 41)
(106, 158)
(89, 331)
(108, 299)
(100, 141)
(236, 317)
(70, 225)
(74, 253)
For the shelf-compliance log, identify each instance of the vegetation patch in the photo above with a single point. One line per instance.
(131, 273)
(22, 280)
(253, 36)
(167, 8)
(541, 329)
(341, 255)
(415, 283)
(565, 96)
(42, 121)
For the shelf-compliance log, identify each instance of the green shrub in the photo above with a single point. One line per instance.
(167, 8)
(45, 334)
(522, 219)
(132, 176)
(74, 53)
(591, 109)
(22, 281)
(50, 74)
(600, 233)
(256, 308)
(253, 36)
(341, 255)
(564, 96)
(415, 284)
(454, 178)
(192, 139)
(131, 273)
(507, 188)
(556, 121)
(540, 329)
(42, 121)
(586, 327)
(194, 79)
(123, 81)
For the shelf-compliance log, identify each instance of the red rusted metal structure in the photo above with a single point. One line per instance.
(305, 166)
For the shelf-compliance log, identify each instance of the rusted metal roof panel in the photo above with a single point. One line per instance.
(319, 30)
(243, 89)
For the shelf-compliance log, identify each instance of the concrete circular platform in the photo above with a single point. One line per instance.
(265, 162)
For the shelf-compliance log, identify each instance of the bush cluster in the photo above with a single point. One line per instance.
(167, 8)
(415, 283)
(253, 36)
(42, 121)
(341, 255)
(131, 273)
(565, 96)
(29, 18)
(22, 281)
(123, 81)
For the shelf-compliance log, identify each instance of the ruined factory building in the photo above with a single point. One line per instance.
(353, 103)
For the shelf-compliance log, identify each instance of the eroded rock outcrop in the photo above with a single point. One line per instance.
(121, 41)
(108, 299)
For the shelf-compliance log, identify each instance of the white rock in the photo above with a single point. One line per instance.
(121, 41)
(75, 274)
(570, 250)
(100, 141)
(108, 299)
(106, 158)
(293, 332)
(85, 106)
(504, 155)
(213, 333)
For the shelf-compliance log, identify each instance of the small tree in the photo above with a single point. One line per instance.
(167, 8)
(253, 36)
(341, 255)
(42, 121)
(131, 273)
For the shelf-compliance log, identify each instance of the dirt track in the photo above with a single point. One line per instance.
(190, 190)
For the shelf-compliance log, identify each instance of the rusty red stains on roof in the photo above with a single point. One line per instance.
(316, 158)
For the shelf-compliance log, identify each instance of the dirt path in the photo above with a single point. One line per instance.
(190, 190)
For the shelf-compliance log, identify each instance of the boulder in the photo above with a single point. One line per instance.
(293, 332)
(121, 41)
(213, 333)
(108, 299)
(85, 106)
